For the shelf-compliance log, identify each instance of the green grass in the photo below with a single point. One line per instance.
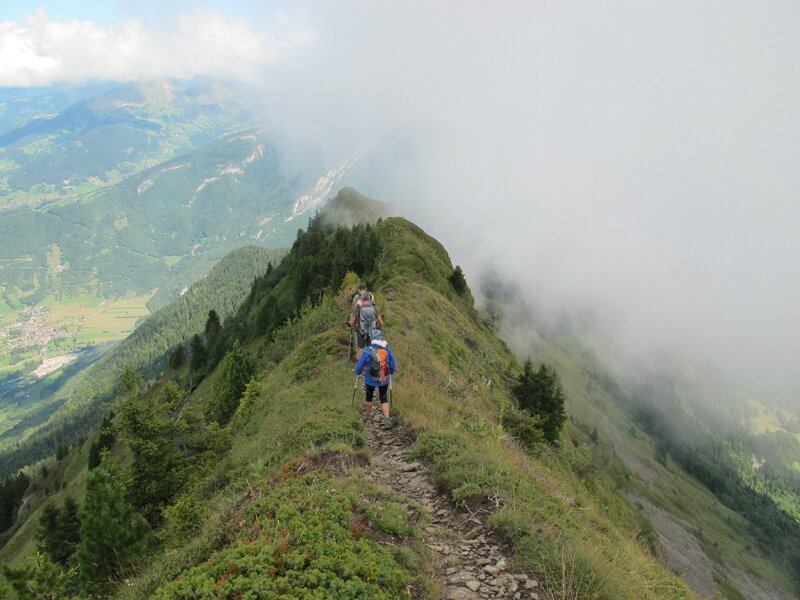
(299, 538)
(446, 389)
(172, 260)
(765, 419)
(53, 257)
(300, 527)
(273, 516)
(10, 370)
(90, 319)
(87, 337)
(727, 589)
(39, 146)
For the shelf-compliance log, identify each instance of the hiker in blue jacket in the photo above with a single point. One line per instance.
(378, 364)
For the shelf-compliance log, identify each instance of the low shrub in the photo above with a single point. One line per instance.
(297, 541)
(436, 445)
(524, 427)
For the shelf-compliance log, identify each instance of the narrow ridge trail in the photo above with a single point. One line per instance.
(469, 563)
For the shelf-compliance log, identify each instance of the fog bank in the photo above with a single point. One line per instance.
(634, 160)
(630, 162)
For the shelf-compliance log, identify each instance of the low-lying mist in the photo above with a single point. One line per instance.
(631, 165)
(631, 161)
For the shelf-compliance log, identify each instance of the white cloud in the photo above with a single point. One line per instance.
(199, 43)
(635, 158)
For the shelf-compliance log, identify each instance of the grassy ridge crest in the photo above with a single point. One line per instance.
(273, 517)
(452, 388)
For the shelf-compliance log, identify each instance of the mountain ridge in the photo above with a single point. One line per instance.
(269, 491)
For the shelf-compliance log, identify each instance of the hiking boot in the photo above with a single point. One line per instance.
(386, 422)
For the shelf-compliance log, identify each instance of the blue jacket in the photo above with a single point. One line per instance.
(362, 363)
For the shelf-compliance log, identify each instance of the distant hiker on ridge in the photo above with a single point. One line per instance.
(364, 317)
(362, 289)
(378, 365)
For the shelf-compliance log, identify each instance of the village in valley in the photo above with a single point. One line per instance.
(33, 330)
(38, 340)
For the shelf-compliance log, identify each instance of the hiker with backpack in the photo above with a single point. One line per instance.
(364, 318)
(362, 289)
(378, 364)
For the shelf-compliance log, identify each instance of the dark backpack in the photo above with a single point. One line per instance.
(367, 317)
(376, 363)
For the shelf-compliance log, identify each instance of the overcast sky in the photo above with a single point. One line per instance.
(637, 158)
(72, 42)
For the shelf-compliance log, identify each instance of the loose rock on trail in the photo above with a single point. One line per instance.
(469, 563)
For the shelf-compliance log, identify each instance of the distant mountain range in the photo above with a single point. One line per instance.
(51, 152)
(132, 186)
(115, 198)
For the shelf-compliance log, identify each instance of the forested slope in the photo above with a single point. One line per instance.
(253, 482)
(78, 407)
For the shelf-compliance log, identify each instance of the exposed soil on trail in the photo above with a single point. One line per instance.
(469, 561)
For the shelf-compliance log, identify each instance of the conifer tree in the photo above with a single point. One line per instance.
(111, 533)
(527, 390)
(12, 490)
(198, 353)
(41, 578)
(157, 461)
(58, 533)
(213, 327)
(237, 369)
(457, 280)
(46, 533)
(539, 392)
(69, 530)
(130, 380)
(104, 441)
(178, 357)
(61, 452)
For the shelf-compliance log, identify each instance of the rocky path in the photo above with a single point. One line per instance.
(469, 562)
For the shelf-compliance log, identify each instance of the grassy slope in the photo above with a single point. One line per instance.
(451, 388)
(768, 419)
(564, 508)
(65, 478)
(104, 134)
(709, 542)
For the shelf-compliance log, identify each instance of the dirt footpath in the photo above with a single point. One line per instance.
(469, 560)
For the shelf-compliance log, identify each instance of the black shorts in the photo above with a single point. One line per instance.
(362, 340)
(382, 392)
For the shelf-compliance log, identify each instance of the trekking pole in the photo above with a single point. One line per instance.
(391, 395)
(355, 385)
(350, 343)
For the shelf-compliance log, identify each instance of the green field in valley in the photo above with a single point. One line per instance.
(55, 327)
